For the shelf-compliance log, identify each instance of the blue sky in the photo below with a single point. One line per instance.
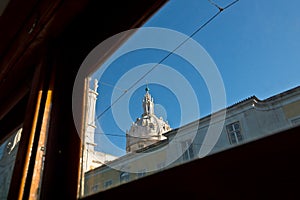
(255, 45)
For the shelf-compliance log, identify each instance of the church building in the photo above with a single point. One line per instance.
(91, 157)
(148, 138)
(148, 129)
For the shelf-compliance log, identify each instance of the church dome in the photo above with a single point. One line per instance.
(147, 129)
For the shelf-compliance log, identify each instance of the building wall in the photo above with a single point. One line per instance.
(291, 113)
(91, 158)
(256, 119)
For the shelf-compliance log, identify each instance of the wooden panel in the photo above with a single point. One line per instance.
(61, 32)
(13, 20)
(13, 119)
(69, 49)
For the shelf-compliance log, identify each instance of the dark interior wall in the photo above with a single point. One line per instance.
(264, 169)
(94, 24)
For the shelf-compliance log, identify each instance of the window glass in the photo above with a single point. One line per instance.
(198, 78)
(187, 149)
(8, 152)
(95, 188)
(234, 133)
(141, 173)
(107, 183)
(296, 121)
(124, 176)
(236, 126)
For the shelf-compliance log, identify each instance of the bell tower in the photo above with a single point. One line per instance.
(90, 119)
(91, 157)
(90, 126)
(148, 104)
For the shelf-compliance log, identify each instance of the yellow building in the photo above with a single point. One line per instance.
(245, 121)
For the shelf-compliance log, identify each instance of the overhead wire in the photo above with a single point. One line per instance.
(216, 5)
(157, 64)
(111, 85)
(221, 9)
(169, 54)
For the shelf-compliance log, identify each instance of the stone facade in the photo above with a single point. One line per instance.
(148, 129)
(245, 121)
(92, 158)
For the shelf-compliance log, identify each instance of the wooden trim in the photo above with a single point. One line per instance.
(32, 189)
(61, 171)
(30, 132)
(9, 104)
(30, 145)
(105, 55)
(35, 182)
(13, 24)
(40, 15)
(13, 119)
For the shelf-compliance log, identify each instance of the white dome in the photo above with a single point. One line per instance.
(148, 129)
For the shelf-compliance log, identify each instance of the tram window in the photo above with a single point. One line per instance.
(182, 86)
(8, 152)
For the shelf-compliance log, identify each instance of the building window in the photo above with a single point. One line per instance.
(234, 133)
(8, 152)
(187, 148)
(124, 177)
(151, 125)
(95, 188)
(141, 173)
(108, 184)
(296, 121)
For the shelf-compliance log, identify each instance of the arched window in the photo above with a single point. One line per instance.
(124, 177)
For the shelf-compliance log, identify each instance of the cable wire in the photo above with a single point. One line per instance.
(169, 54)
